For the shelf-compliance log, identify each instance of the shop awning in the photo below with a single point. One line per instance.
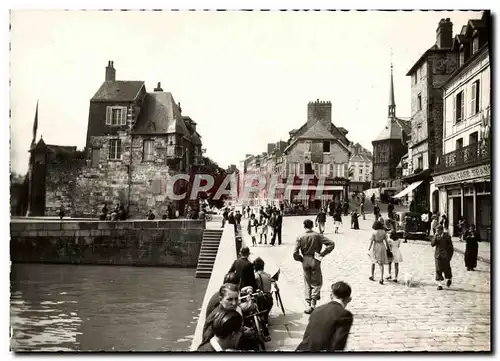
(408, 189)
(314, 188)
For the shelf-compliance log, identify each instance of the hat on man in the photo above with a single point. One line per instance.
(245, 251)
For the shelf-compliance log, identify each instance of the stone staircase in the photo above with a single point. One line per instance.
(208, 252)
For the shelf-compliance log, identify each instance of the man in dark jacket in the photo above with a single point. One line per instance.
(329, 324)
(308, 252)
(442, 255)
(278, 222)
(244, 270)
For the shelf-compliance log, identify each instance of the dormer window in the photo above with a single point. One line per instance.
(116, 115)
(475, 44)
(462, 56)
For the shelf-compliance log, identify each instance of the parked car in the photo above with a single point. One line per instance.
(409, 225)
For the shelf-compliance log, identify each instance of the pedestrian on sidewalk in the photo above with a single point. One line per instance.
(471, 248)
(442, 255)
(376, 211)
(244, 269)
(227, 332)
(337, 219)
(252, 229)
(362, 209)
(462, 228)
(263, 228)
(378, 250)
(397, 258)
(278, 223)
(330, 324)
(321, 220)
(354, 220)
(435, 223)
(308, 252)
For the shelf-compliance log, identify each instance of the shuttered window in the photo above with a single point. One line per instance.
(116, 115)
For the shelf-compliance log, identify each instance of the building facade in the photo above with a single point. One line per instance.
(389, 147)
(428, 75)
(462, 178)
(317, 149)
(360, 168)
(136, 141)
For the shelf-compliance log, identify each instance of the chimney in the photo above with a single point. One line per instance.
(270, 147)
(110, 72)
(444, 34)
(179, 107)
(158, 88)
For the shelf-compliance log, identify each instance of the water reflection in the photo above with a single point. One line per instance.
(94, 308)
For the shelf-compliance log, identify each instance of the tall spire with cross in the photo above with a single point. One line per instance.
(392, 102)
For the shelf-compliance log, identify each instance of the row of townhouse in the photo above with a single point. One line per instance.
(318, 149)
(448, 164)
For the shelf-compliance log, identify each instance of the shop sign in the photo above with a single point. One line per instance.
(463, 175)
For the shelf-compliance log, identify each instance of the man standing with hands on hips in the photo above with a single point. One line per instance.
(308, 252)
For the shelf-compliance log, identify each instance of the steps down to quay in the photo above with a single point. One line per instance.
(208, 252)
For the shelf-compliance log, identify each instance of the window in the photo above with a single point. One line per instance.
(474, 101)
(301, 168)
(308, 146)
(325, 169)
(419, 102)
(459, 143)
(148, 151)
(462, 58)
(326, 147)
(420, 162)
(96, 157)
(458, 106)
(171, 139)
(116, 116)
(475, 44)
(360, 170)
(473, 138)
(115, 151)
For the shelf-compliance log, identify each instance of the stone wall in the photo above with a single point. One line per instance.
(171, 243)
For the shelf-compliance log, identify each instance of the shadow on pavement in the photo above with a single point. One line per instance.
(287, 330)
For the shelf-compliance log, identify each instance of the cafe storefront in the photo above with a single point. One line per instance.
(467, 193)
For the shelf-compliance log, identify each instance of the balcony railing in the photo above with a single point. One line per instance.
(473, 154)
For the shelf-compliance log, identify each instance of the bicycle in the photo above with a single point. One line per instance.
(256, 324)
(276, 291)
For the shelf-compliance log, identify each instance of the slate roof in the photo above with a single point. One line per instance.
(160, 115)
(392, 130)
(317, 131)
(118, 91)
(360, 158)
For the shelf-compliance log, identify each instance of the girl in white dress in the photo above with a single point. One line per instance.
(397, 258)
(252, 229)
(263, 229)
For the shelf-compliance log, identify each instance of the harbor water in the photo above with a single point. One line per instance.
(103, 308)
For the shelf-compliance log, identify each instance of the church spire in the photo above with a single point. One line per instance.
(392, 102)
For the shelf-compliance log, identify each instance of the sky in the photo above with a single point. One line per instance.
(244, 77)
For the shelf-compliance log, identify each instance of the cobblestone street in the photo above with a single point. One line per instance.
(389, 317)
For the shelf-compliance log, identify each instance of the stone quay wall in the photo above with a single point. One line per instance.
(169, 243)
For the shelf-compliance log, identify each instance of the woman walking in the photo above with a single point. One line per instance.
(471, 238)
(354, 220)
(378, 250)
(337, 218)
(396, 258)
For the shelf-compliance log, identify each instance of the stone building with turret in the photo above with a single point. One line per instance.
(136, 140)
